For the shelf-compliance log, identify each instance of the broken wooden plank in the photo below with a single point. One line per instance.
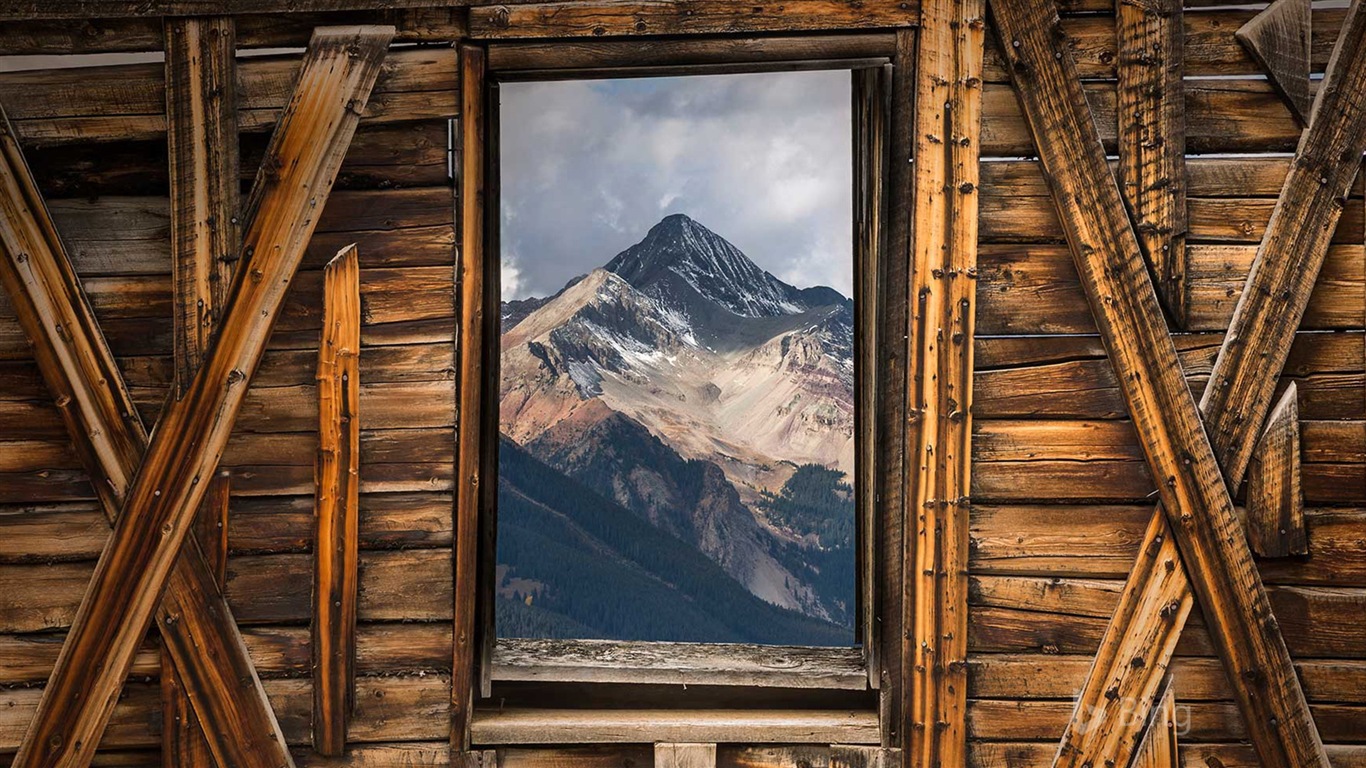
(103, 423)
(340, 69)
(1152, 140)
(1275, 499)
(944, 254)
(1158, 748)
(201, 120)
(1191, 487)
(337, 506)
(684, 755)
(1279, 39)
(470, 448)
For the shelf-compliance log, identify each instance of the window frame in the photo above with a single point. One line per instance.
(874, 59)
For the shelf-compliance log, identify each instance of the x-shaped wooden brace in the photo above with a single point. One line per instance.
(157, 494)
(1195, 540)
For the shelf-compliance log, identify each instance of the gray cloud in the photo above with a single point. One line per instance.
(762, 159)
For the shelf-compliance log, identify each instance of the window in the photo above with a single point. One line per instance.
(682, 320)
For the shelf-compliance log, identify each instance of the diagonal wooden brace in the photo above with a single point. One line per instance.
(1152, 611)
(159, 506)
(1196, 502)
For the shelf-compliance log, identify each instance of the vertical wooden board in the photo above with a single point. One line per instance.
(1279, 39)
(670, 755)
(894, 279)
(339, 71)
(1194, 495)
(337, 505)
(201, 135)
(1152, 140)
(1158, 748)
(944, 263)
(471, 342)
(1275, 500)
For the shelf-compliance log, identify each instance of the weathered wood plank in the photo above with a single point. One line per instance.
(201, 117)
(546, 726)
(1192, 489)
(948, 76)
(1152, 140)
(651, 17)
(337, 541)
(341, 68)
(469, 470)
(110, 439)
(1279, 39)
(679, 755)
(1159, 747)
(1275, 498)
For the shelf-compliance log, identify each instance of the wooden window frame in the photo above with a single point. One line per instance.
(637, 672)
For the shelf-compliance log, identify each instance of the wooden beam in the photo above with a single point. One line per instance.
(201, 120)
(676, 755)
(1235, 402)
(337, 506)
(1158, 748)
(339, 71)
(184, 743)
(948, 76)
(1279, 39)
(1275, 501)
(1191, 484)
(512, 725)
(666, 17)
(196, 624)
(1152, 140)
(470, 396)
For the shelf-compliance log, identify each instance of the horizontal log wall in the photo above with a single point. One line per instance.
(99, 152)
(1061, 494)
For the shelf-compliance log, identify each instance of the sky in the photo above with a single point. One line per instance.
(588, 166)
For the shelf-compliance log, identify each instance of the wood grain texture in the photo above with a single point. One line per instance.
(342, 64)
(201, 119)
(337, 505)
(104, 426)
(469, 470)
(595, 726)
(652, 17)
(611, 661)
(1279, 39)
(98, 9)
(1159, 747)
(685, 755)
(1152, 140)
(1191, 485)
(1275, 497)
(944, 263)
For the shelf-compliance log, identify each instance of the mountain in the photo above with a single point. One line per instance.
(689, 386)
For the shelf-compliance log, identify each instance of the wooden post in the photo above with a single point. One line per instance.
(948, 76)
(469, 438)
(1275, 503)
(197, 626)
(201, 133)
(1149, 40)
(1190, 483)
(339, 70)
(1236, 400)
(337, 505)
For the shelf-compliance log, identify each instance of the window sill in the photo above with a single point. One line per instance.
(610, 661)
(495, 727)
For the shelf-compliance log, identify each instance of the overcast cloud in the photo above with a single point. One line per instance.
(761, 159)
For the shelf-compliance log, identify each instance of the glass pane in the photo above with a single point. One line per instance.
(677, 378)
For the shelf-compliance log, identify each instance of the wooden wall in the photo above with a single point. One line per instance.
(109, 196)
(1060, 490)
(1061, 494)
